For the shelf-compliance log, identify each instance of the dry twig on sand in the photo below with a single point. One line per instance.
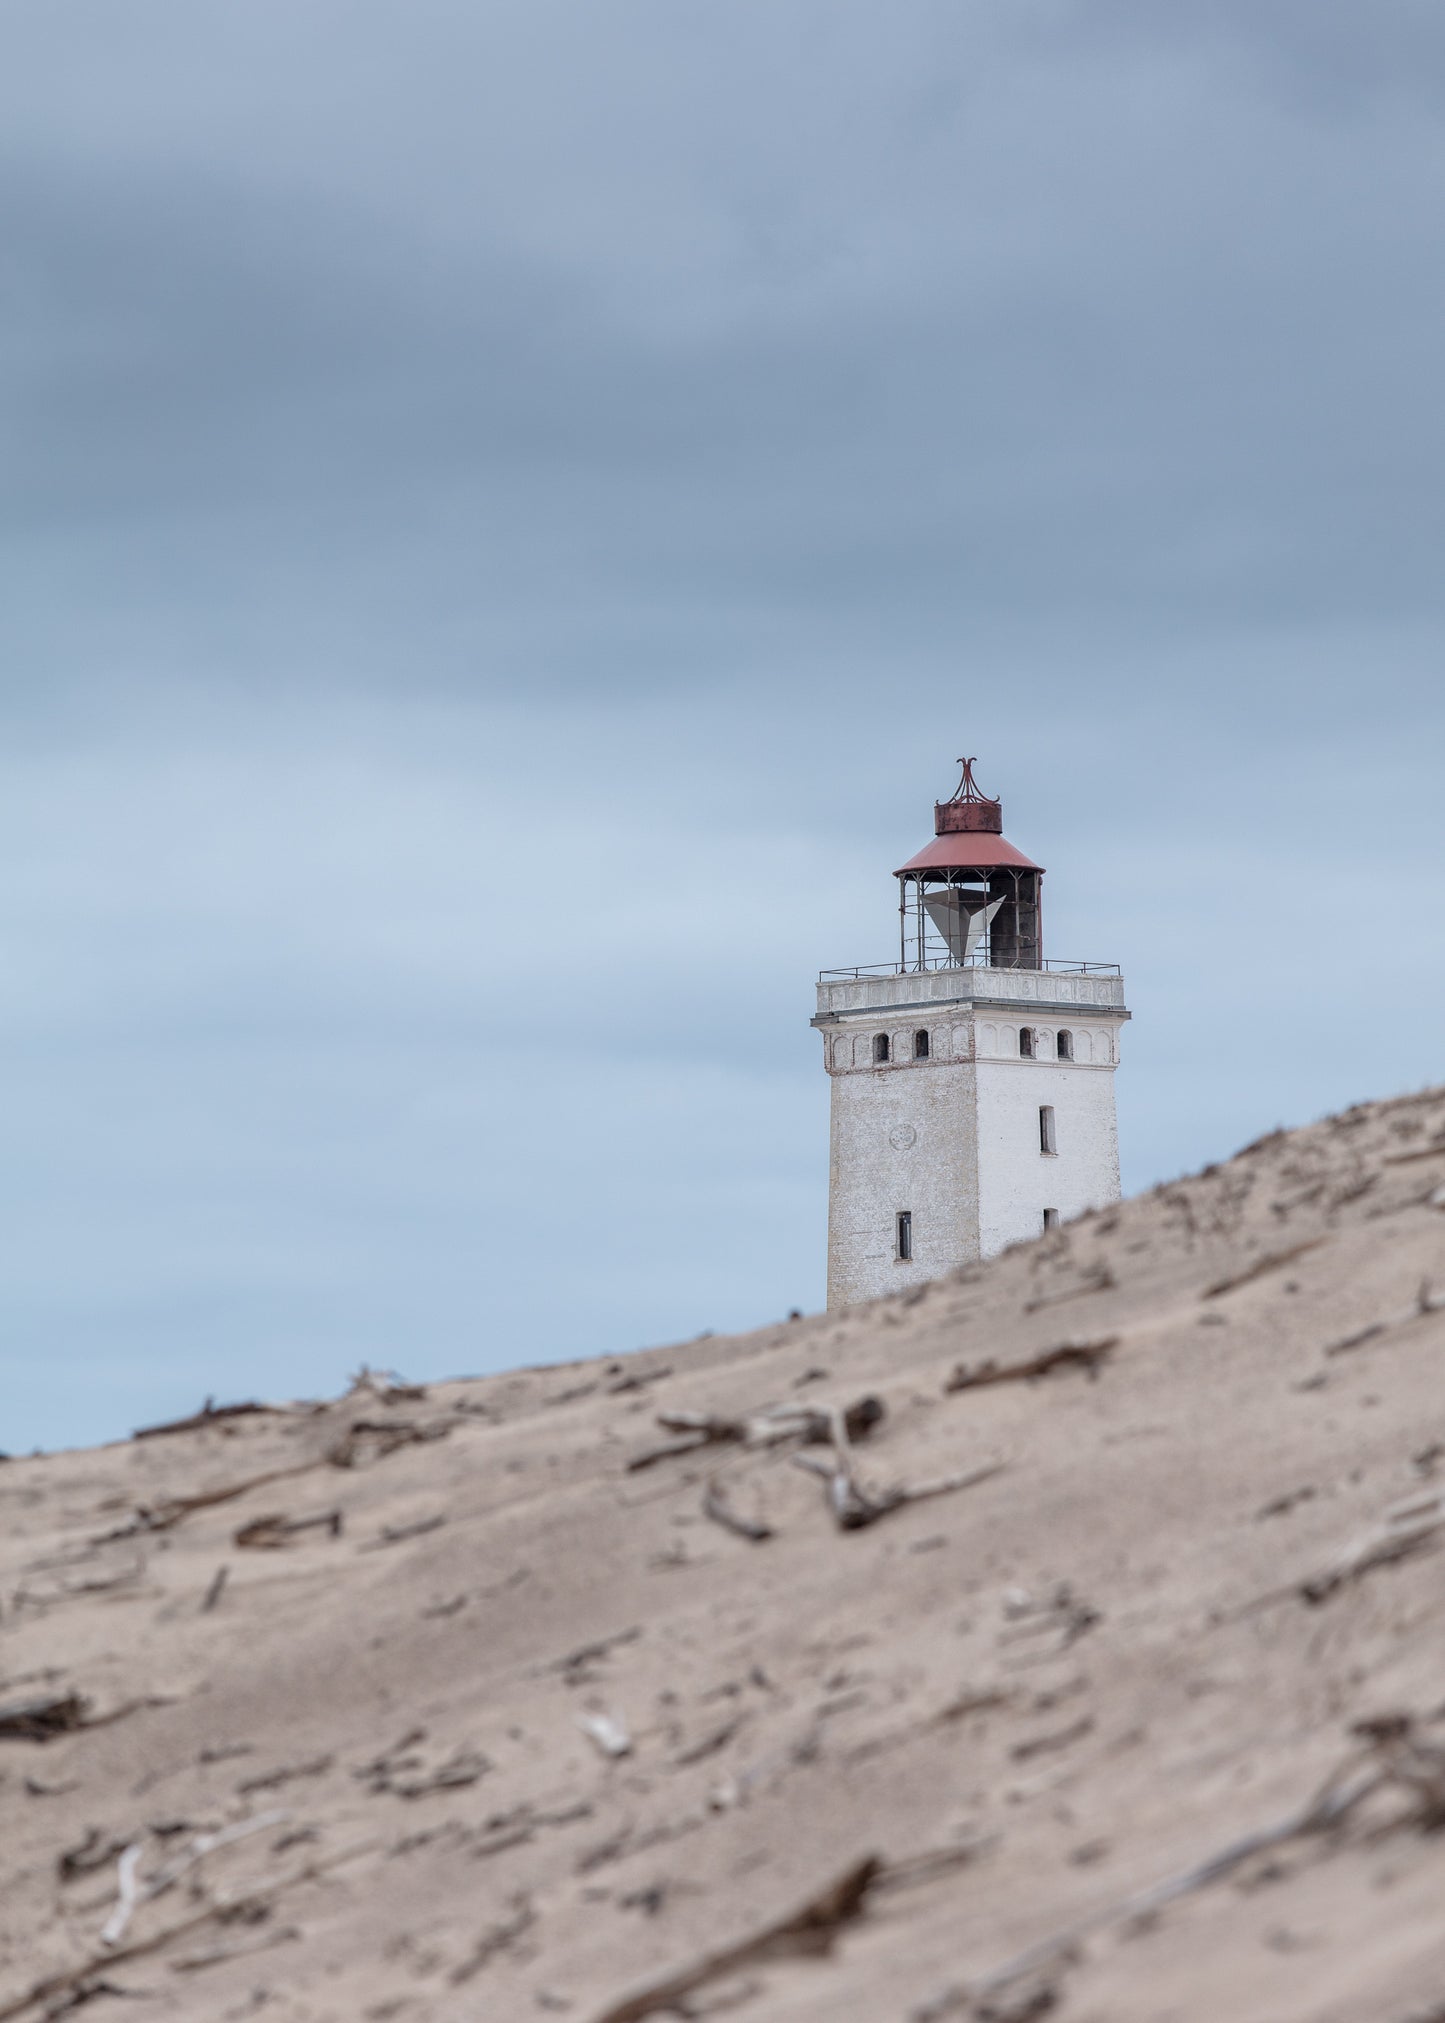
(1086, 1356)
(272, 1780)
(259, 1899)
(371, 1439)
(1393, 1757)
(1436, 1151)
(273, 1533)
(173, 1510)
(1097, 1278)
(220, 1956)
(396, 1534)
(634, 1380)
(1404, 1532)
(362, 1441)
(578, 1666)
(806, 1933)
(403, 1770)
(97, 1850)
(1427, 1302)
(495, 1941)
(1061, 1614)
(1402, 1535)
(1274, 1261)
(716, 1506)
(132, 1891)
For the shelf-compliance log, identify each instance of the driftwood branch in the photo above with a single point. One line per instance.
(210, 1414)
(806, 1933)
(387, 1385)
(39, 1720)
(854, 1503)
(1086, 1356)
(371, 1439)
(773, 1426)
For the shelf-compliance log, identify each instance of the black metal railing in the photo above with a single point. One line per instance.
(1052, 966)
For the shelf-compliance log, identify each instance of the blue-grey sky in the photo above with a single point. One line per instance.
(509, 510)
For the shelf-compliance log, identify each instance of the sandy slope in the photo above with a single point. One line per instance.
(1030, 1700)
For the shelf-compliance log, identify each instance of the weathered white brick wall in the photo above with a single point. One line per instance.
(954, 1139)
(1016, 1181)
(902, 1138)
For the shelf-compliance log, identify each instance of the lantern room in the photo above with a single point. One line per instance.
(969, 898)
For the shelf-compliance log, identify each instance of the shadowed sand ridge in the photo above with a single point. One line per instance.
(1099, 1674)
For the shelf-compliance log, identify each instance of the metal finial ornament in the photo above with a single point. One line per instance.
(968, 788)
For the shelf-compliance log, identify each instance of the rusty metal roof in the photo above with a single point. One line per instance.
(968, 834)
(968, 851)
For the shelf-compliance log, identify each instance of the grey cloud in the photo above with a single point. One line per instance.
(1318, 54)
(1050, 380)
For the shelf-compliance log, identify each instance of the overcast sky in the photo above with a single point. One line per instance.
(509, 510)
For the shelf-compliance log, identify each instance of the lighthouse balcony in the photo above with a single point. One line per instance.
(1053, 985)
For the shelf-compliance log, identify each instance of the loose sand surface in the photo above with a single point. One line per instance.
(432, 1704)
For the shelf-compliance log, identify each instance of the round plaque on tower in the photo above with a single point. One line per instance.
(902, 1136)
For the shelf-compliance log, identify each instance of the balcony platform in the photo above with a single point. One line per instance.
(1054, 986)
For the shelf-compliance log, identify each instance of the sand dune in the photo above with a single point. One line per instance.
(434, 1704)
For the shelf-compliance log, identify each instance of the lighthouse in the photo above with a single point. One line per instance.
(972, 1079)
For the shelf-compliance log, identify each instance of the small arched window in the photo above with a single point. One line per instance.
(1026, 1042)
(1066, 1046)
(920, 1045)
(880, 1046)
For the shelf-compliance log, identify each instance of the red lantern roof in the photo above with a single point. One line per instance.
(968, 835)
(968, 853)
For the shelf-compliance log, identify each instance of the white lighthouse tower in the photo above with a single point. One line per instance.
(972, 1080)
